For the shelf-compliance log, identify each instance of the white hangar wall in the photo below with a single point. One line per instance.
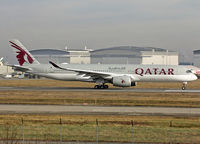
(160, 58)
(196, 58)
(134, 55)
(114, 55)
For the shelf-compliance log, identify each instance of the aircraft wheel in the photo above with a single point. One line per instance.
(105, 86)
(96, 86)
(183, 87)
(101, 87)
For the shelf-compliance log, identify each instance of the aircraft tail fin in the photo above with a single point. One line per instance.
(22, 54)
(1, 61)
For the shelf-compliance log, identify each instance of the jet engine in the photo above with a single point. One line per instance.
(123, 81)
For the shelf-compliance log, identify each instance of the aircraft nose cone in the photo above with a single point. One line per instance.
(197, 72)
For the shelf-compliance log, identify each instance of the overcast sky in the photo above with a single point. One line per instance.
(169, 24)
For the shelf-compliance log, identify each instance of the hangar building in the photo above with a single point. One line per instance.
(5, 70)
(44, 55)
(114, 55)
(196, 57)
(79, 56)
(134, 55)
(73, 56)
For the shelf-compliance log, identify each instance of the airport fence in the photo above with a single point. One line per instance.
(61, 131)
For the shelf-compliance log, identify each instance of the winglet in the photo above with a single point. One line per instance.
(55, 65)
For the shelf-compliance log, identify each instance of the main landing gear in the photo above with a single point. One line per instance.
(101, 86)
(184, 85)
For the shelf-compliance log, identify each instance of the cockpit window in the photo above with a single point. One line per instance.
(189, 71)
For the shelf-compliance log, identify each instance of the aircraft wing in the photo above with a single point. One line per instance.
(19, 68)
(91, 73)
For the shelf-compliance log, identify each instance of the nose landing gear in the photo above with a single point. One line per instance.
(184, 85)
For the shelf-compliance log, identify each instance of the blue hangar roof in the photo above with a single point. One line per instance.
(49, 52)
(130, 48)
(196, 52)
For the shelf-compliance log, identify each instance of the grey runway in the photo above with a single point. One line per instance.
(105, 90)
(98, 110)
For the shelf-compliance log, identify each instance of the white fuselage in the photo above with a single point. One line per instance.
(145, 73)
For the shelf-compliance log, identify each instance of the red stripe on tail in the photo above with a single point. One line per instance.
(20, 54)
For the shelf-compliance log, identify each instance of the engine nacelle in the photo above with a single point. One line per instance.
(123, 81)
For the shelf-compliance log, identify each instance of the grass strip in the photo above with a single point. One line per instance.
(111, 128)
(100, 98)
(56, 83)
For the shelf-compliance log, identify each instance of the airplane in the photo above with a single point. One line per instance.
(120, 75)
(1, 61)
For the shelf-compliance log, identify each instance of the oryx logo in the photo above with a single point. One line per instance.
(21, 54)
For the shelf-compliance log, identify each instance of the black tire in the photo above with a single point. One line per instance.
(105, 86)
(183, 87)
(101, 86)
